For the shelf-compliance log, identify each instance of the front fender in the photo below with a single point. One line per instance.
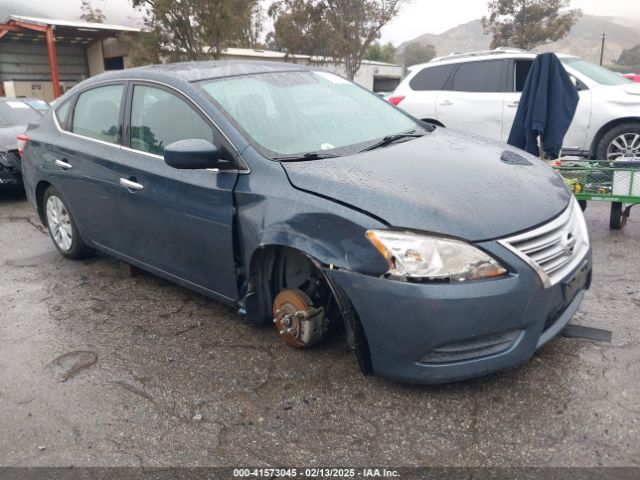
(270, 211)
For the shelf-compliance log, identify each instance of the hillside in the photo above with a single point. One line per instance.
(583, 40)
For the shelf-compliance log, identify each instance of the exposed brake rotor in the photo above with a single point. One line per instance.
(299, 323)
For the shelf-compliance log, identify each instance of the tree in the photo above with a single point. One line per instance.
(144, 48)
(341, 30)
(198, 29)
(300, 27)
(91, 13)
(254, 27)
(381, 53)
(416, 53)
(630, 56)
(528, 24)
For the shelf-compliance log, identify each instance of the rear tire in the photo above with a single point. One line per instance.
(619, 142)
(62, 228)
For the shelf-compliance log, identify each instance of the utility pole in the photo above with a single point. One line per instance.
(604, 37)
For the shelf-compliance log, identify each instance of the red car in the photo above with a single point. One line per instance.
(633, 76)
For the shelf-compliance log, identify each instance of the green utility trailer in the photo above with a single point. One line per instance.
(617, 182)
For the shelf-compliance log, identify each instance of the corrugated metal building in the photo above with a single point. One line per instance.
(81, 49)
(33, 51)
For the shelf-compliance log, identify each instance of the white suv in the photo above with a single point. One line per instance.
(479, 93)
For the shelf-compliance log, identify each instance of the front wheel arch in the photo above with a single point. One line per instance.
(260, 296)
(607, 128)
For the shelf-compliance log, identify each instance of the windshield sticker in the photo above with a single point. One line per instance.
(17, 104)
(331, 77)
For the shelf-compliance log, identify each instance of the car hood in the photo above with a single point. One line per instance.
(632, 88)
(8, 134)
(445, 182)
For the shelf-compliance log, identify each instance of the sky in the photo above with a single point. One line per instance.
(433, 16)
(417, 16)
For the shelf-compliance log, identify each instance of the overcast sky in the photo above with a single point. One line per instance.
(429, 16)
(416, 18)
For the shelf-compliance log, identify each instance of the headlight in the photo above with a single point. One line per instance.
(581, 221)
(425, 257)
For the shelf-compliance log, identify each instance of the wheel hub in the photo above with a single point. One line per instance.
(624, 146)
(299, 323)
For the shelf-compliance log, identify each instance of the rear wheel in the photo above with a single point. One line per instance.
(622, 142)
(62, 227)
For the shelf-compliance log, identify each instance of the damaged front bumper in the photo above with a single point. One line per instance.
(10, 168)
(438, 333)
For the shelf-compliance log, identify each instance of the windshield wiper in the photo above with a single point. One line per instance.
(306, 156)
(389, 139)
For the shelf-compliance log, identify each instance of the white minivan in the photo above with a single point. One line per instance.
(479, 93)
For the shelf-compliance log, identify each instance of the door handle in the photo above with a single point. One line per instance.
(446, 103)
(129, 184)
(513, 104)
(64, 165)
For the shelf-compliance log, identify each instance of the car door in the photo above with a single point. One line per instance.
(87, 158)
(423, 89)
(575, 140)
(177, 221)
(518, 71)
(473, 98)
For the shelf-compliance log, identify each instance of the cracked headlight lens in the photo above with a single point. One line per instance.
(426, 257)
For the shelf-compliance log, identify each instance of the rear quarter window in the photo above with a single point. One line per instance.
(432, 78)
(62, 114)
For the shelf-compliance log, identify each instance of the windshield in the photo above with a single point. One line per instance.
(293, 113)
(595, 72)
(16, 112)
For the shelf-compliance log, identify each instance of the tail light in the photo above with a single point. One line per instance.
(22, 141)
(396, 100)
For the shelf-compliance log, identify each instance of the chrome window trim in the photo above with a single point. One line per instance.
(563, 219)
(243, 171)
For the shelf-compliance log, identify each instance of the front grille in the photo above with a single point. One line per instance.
(471, 348)
(554, 249)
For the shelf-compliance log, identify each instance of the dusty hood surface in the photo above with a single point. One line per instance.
(632, 88)
(444, 182)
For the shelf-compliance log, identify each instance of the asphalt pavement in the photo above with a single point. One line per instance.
(101, 369)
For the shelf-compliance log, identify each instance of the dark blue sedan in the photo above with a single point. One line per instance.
(306, 201)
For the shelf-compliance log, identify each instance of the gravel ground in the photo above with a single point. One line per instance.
(97, 369)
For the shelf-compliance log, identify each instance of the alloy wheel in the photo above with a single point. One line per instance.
(625, 146)
(59, 223)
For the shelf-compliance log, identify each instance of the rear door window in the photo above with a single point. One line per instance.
(432, 78)
(486, 76)
(159, 118)
(97, 113)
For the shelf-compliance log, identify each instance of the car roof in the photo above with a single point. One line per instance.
(205, 70)
(499, 53)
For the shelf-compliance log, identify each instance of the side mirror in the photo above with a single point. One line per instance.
(195, 154)
(574, 80)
